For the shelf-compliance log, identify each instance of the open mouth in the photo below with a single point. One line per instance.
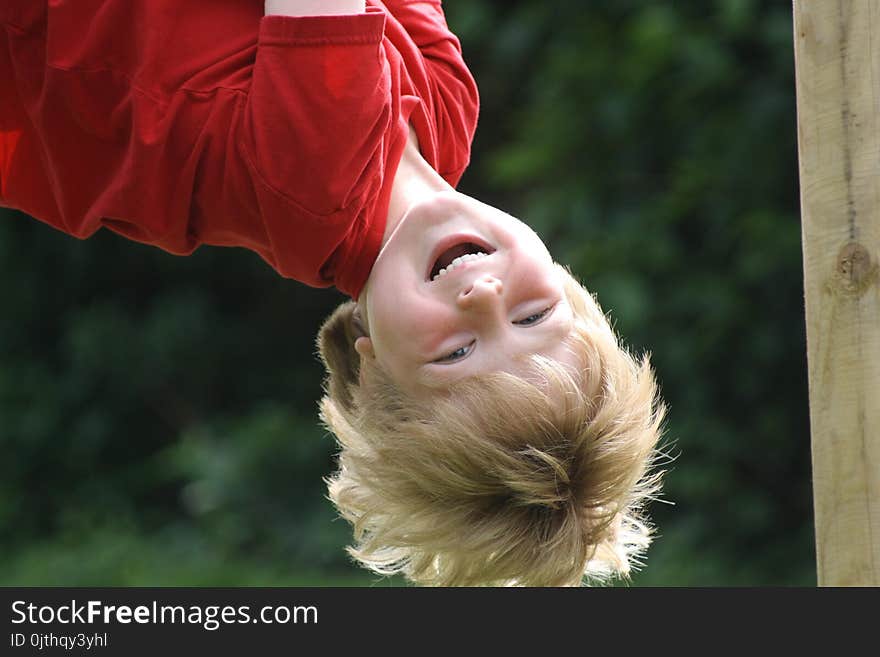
(456, 255)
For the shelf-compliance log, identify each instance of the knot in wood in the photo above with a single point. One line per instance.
(855, 270)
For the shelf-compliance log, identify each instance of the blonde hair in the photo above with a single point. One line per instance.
(502, 480)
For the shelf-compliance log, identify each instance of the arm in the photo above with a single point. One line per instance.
(313, 134)
(452, 92)
(314, 7)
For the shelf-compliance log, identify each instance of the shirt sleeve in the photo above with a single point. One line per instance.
(453, 96)
(284, 169)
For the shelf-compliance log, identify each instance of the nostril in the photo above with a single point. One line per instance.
(492, 283)
(466, 298)
(482, 288)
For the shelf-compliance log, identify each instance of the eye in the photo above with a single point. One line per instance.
(531, 320)
(456, 355)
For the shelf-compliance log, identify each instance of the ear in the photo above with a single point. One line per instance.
(364, 347)
(336, 347)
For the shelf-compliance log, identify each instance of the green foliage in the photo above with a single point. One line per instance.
(158, 416)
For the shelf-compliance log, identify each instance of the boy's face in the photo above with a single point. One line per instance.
(485, 313)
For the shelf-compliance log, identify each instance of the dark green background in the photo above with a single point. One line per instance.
(158, 414)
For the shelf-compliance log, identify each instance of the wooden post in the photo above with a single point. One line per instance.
(837, 62)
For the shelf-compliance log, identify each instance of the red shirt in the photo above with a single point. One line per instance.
(203, 122)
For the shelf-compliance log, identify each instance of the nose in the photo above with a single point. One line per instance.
(482, 294)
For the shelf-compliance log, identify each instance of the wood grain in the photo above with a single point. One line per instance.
(837, 60)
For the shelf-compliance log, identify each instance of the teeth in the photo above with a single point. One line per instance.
(467, 257)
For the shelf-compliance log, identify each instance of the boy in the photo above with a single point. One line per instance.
(492, 431)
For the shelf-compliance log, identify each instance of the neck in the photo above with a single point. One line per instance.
(413, 180)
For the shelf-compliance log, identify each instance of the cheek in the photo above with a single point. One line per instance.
(402, 322)
(421, 321)
(535, 277)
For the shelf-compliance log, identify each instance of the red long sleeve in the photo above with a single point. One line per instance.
(180, 124)
(449, 101)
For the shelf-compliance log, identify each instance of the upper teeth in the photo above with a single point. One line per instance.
(467, 257)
